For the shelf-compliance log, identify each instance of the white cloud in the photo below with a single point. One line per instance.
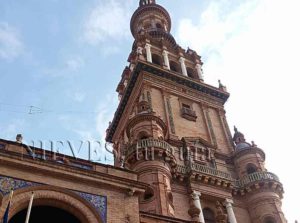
(10, 44)
(108, 21)
(254, 48)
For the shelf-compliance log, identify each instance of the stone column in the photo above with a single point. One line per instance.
(183, 67)
(195, 210)
(166, 59)
(199, 71)
(230, 213)
(148, 52)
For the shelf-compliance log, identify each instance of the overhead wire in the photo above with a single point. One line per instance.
(32, 110)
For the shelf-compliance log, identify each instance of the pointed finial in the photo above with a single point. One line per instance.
(146, 2)
(235, 129)
(221, 86)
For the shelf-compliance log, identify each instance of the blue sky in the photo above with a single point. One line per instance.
(66, 58)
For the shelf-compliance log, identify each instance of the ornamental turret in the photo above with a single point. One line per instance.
(261, 190)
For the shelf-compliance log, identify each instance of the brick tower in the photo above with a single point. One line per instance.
(170, 128)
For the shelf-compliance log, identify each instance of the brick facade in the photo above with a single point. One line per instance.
(175, 157)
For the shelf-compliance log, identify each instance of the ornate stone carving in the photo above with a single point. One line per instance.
(194, 210)
(221, 216)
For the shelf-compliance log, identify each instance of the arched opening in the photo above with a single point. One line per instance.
(251, 168)
(149, 193)
(158, 26)
(45, 214)
(156, 59)
(143, 135)
(174, 66)
(269, 220)
(209, 216)
(191, 72)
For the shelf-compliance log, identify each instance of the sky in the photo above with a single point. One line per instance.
(61, 61)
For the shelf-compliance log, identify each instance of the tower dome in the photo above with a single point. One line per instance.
(239, 140)
(151, 18)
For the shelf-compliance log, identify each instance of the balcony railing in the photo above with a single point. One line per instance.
(241, 183)
(256, 177)
(211, 171)
(149, 143)
(204, 170)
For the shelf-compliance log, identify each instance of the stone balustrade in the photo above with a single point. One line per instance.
(149, 143)
(204, 170)
(238, 184)
(211, 171)
(256, 177)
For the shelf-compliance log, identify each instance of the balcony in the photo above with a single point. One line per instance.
(205, 174)
(149, 143)
(216, 177)
(256, 178)
(188, 114)
(211, 171)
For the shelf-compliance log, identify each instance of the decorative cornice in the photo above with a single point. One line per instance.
(154, 70)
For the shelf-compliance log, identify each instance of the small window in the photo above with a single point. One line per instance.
(143, 135)
(174, 66)
(2, 146)
(156, 59)
(251, 168)
(190, 72)
(159, 26)
(148, 194)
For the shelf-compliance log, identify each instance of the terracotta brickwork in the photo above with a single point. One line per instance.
(175, 158)
(58, 185)
(180, 144)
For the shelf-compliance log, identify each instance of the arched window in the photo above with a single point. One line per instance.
(209, 216)
(174, 66)
(269, 220)
(149, 193)
(251, 168)
(156, 59)
(143, 135)
(159, 26)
